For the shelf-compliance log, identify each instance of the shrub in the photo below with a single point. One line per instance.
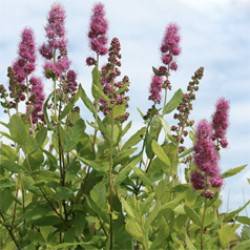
(69, 183)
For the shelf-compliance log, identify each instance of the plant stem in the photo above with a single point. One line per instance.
(9, 229)
(111, 184)
(202, 225)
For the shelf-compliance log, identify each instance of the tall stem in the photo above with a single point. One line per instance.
(9, 229)
(202, 225)
(111, 184)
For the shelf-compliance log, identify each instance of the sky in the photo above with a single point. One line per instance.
(214, 34)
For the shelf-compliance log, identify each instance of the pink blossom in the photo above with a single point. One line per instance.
(220, 121)
(205, 156)
(155, 89)
(71, 81)
(170, 45)
(37, 98)
(25, 63)
(62, 64)
(208, 194)
(98, 30)
(46, 51)
(197, 180)
(51, 70)
(55, 30)
(216, 181)
(206, 160)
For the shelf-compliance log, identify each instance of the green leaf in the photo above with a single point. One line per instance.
(227, 234)
(48, 220)
(45, 108)
(243, 245)
(135, 230)
(160, 153)
(119, 110)
(73, 135)
(123, 174)
(174, 102)
(97, 89)
(98, 194)
(233, 171)
(160, 208)
(153, 134)
(63, 193)
(87, 102)
(11, 166)
(143, 177)
(20, 133)
(67, 246)
(127, 127)
(5, 183)
(41, 136)
(192, 215)
(229, 216)
(70, 105)
(98, 165)
(135, 138)
(243, 219)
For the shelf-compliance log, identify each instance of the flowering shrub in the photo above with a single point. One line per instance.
(69, 183)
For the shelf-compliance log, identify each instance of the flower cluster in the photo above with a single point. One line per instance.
(169, 49)
(170, 46)
(36, 99)
(55, 50)
(71, 84)
(185, 107)
(206, 175)
(55, 33)
(220, 122)
(25, 63)
(115, 90)
(155, 89)
(98, 30)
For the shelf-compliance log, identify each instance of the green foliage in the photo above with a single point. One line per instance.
(78, 181)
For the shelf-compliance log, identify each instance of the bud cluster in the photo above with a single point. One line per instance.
(115, 90)
(185, 107)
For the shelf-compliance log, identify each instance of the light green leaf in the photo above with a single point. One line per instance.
(135, 138)
(243, 219)
(174, 102)
(160, 153)
(126, 170)
(192, 215)
(87, 102)
(227, 234)
(233, 171)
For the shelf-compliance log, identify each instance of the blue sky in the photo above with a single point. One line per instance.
(215, 34)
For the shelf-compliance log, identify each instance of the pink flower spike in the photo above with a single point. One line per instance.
(98, 30)
(170, 44)
(220, 121)
(205, 154)
(37, 98)
(55, 32)
(25, 63)
(155, 89)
